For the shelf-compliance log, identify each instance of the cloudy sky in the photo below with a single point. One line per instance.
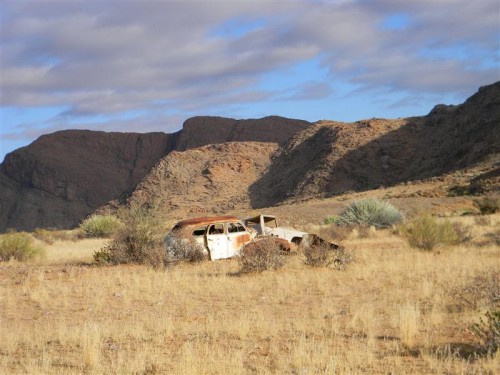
(124, 65)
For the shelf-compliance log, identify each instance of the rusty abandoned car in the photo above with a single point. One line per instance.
(219, 237)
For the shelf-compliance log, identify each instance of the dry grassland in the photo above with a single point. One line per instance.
(390, 311)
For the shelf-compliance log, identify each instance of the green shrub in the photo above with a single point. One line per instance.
(19, 246)
(100, 225)
(487, 205)
(370, 212)
(138, 240)
(426, 233)
(330, 220)
(260, 256)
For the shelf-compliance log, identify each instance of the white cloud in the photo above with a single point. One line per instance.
(110, 57)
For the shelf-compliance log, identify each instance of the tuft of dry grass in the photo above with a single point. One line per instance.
(409, 323)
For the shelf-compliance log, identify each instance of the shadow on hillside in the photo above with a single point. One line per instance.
(423, 148)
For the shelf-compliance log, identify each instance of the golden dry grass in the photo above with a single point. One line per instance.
(388, 312)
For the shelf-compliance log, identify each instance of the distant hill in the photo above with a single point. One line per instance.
(62, 177)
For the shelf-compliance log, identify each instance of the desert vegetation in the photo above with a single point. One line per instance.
(19, 246)
(100, 225)
(369, 212)
(394, 309)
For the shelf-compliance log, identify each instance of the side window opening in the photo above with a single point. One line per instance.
(200, 231)
(235, 228)
(216, 229)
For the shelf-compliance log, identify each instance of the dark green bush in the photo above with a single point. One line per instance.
(370, 212)
(19, 246)
(100, 226)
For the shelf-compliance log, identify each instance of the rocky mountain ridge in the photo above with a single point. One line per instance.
(62, 177)
(217, 165)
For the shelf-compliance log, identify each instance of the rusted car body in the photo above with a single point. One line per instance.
(267, 226)
(220, 236)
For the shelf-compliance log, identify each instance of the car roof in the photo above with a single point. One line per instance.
(206, 220)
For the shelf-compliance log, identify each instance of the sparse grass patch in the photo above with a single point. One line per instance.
(50, 236)
(479, 292)
(482, 220)
(100, 226)
(370, 212)
(261, 255)
(19, 246)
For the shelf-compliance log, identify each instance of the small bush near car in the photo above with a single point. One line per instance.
(370, 212)
(19, 246)
(181, 246)
(260, 256)
(138, 240)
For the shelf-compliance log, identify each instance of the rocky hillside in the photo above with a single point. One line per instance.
(212, 179)
(331, 158)
(62, 177)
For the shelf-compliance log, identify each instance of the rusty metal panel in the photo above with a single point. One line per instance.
(242, 239)
(206, 220)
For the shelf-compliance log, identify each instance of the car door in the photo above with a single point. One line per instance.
(217, 241)
(237, 236)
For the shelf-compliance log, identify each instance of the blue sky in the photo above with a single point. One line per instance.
(151, 65)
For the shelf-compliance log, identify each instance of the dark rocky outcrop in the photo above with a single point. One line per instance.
(62, 177)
